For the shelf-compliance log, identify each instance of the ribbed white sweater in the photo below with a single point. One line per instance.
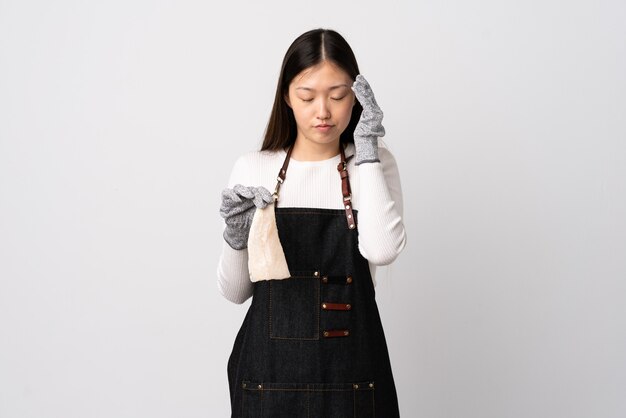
(376, 195)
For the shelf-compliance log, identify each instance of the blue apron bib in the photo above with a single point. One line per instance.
(313, 345)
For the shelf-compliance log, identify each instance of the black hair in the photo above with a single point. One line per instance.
(309, 49)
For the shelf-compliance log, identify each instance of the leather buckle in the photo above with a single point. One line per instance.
(336, 333)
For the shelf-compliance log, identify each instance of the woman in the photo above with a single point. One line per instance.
(312, 342)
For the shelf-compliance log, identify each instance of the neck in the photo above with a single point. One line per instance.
(304, 150)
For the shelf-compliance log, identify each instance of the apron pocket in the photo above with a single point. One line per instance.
(295, 400)
(294, 310)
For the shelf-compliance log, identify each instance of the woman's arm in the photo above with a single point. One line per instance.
(381, 229)
(233, 279)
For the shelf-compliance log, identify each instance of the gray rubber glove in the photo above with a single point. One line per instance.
(238, 206)
(370, 125)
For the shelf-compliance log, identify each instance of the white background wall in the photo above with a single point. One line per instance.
(119, 124)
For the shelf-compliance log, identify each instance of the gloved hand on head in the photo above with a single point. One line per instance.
(370, 127)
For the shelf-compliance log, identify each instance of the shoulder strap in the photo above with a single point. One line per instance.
(342, 167)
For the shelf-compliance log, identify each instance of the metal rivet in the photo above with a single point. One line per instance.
(347, 206)
(325, 333)
(243, 385)
(349, 216)
(260, 387)
(351, 226)
(349, 279)
(325, 279)
(348, 306)
(346, 332)
(371, 385)
(355, 386)
(317, 273)
(323, 306)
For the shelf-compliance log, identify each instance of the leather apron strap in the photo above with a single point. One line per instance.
(342, 168)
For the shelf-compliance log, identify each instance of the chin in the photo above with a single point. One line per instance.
(328, 141)
(324, 139)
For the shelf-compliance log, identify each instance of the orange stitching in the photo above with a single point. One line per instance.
(308, 401)
(341, 212)
(270, 310)
(373, 402)
(315, 303)
(346, 387)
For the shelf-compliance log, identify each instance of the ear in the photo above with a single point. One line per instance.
(286, 97)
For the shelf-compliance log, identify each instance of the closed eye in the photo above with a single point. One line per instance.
(338, 98)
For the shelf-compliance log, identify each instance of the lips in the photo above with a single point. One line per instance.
(324, 128)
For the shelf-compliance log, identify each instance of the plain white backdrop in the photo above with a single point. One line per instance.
(120, 122)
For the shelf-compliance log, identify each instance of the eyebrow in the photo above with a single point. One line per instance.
(332, 88)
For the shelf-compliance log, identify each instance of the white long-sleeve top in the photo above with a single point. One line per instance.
(376, 195)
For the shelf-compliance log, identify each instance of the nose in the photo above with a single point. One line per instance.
(323, 112)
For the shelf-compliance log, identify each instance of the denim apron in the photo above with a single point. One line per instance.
(313, 345)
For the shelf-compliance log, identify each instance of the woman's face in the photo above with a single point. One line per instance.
(321, 99)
